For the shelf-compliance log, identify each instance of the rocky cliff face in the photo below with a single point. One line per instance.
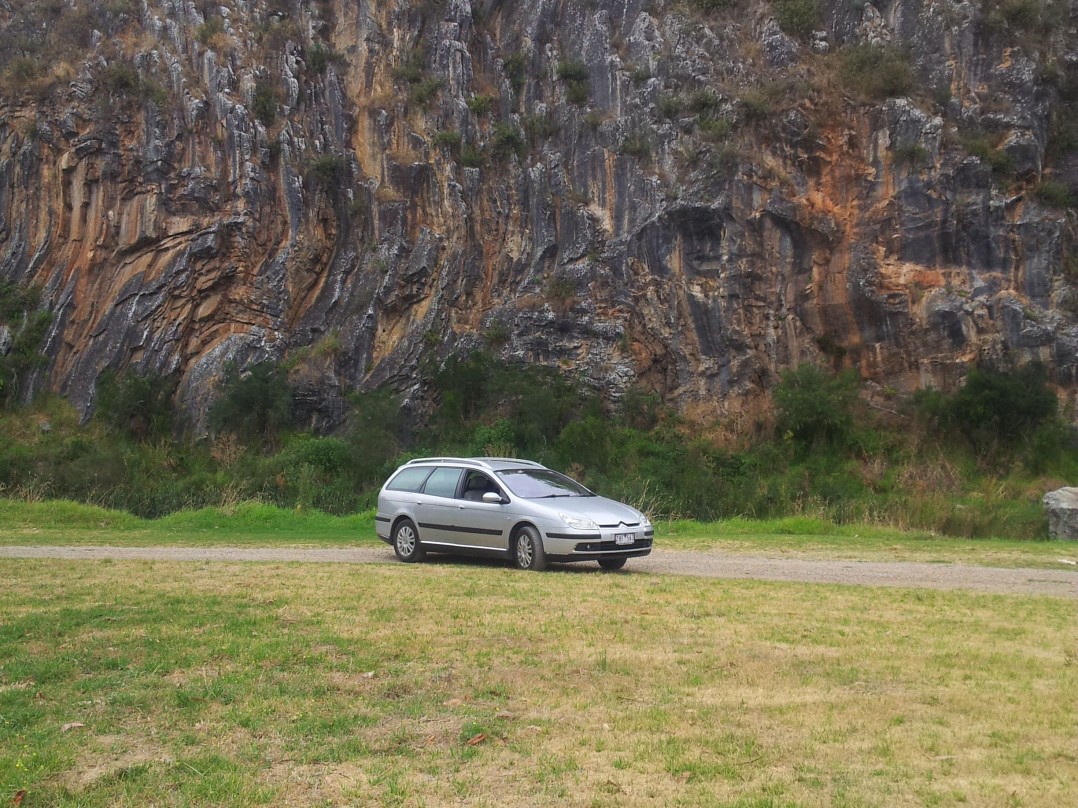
(690, 196)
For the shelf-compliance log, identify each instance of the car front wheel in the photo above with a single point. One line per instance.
(406, 542)
(528, 550)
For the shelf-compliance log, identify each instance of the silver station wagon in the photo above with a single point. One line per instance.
(505, 508)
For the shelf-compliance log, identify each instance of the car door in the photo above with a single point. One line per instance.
(436, 507)
(485, 524)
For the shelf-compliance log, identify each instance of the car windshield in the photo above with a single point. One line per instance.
(542, 484)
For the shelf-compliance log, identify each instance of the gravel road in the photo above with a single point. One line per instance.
(1057, 583)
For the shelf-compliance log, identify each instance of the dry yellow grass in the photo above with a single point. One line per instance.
(473, 684)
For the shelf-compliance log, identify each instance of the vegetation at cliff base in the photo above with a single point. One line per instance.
(971, 463)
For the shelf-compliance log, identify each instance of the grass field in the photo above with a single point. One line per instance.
(255, 524)
(139, 683)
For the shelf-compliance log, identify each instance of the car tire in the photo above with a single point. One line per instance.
(406, 542)
(611, 564)
(527, 550)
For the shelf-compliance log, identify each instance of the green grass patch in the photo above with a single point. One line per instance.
(187, 684)
(812, 537)
(249, 524)
(246, 523)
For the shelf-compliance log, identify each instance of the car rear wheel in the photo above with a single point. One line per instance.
(611, 564)
(528, 550)
(406, 542)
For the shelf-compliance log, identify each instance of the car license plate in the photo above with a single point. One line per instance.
(624, 538)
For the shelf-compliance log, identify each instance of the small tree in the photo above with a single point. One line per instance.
(815, 407)
(255, 405)
(139, 406)
(23, 325)
(373, 433)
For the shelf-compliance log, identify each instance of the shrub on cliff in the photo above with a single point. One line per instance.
(878, 72)
(265, 100)
(798, 18)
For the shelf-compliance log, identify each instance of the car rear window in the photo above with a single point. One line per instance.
(409, 479)
(442, 483)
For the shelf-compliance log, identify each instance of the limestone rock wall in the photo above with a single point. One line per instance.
(637, 191)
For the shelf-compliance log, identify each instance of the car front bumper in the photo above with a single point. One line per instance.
(593, 546)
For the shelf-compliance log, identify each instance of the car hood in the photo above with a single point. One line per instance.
(602, 511)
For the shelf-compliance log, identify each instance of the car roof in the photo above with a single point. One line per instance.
(485, 463)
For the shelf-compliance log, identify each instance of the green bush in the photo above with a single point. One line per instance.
(1055, 194)
(572, 70)
(670, 106)
(760, 103)
(575, 74)
(702, 102)
(983, 148)
(716, 129)
(478, 390)
(995, 411)
(708, 6)
(1023, 16)
(798, 18)
(515, 69)
(508, 140)
(120, 78)
(320, 57)
(425, 91)
(472, 157)
(138, 406)
(374, 433)
(481, 105)
(265, 101)
(911, 154)
(255, 405)
(577, 92)
(877, 71)
(209, 29)
(27, 325)
(413, 69)
(450, 139)
(638, 145)
(540, 127)
(815, 408)
(328, 170)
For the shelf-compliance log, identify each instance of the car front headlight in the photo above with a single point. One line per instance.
(578, 522)
(644, 521)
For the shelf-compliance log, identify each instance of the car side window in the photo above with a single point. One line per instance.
(476, 484)
(409, 480)
(442, 483)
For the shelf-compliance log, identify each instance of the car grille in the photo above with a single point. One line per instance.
(604, 546)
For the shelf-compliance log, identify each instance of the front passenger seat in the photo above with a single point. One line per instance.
(475, 488)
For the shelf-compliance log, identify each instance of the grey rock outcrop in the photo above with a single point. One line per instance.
(1062, 508)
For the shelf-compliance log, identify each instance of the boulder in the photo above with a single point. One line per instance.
(1062, 507)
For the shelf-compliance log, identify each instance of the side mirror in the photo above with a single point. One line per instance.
(493, 497)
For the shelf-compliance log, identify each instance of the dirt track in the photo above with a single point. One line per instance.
(1057, 583)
